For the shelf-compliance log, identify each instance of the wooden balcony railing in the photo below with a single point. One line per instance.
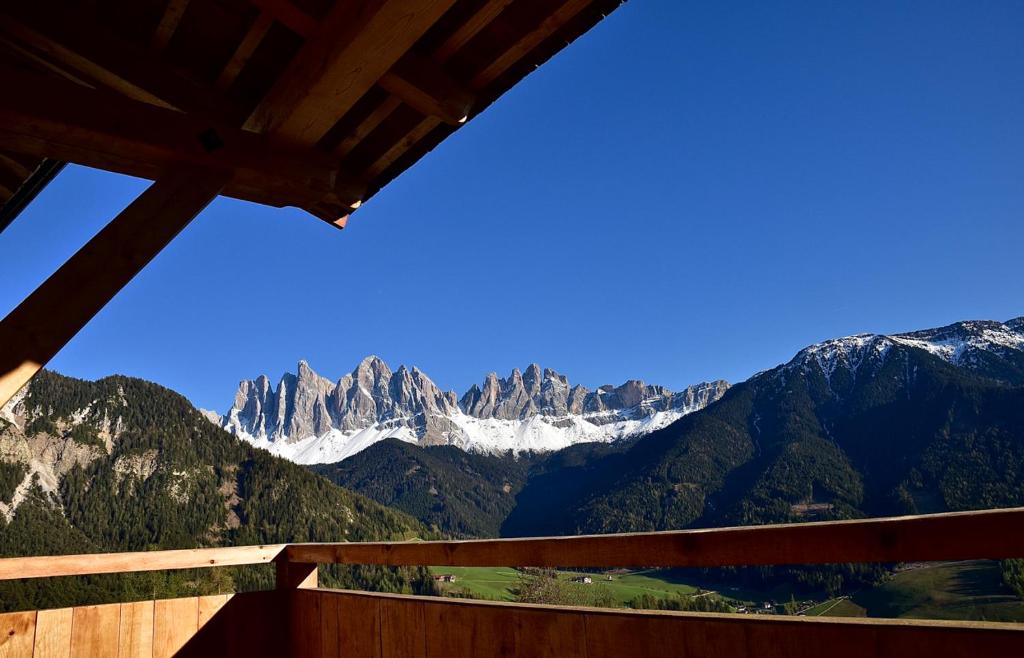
(298, 619)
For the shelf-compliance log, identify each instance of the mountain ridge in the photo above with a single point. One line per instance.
(310, 419)
(918, 422)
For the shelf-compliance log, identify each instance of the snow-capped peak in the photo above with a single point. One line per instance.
(310, 419)
(960, 344)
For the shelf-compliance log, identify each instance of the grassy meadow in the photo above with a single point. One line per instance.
(955, 590)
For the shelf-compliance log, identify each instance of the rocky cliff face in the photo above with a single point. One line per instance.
(310, 419)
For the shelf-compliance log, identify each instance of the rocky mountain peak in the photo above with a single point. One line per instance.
(374, 401)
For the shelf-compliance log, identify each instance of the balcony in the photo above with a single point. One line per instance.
(299, 619)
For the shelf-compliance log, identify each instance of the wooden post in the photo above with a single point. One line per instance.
(51, 316)
(295, 575)
(302, 620)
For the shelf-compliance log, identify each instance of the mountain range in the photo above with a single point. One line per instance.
(864, 425)
(310, 419)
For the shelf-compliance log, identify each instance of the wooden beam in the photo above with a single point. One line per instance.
(286, 13)
(51, 316)
(367, 125)
(52, 118)
(473, 25)
(251, 41)
(27, 191)
(169, 23)
(47, 566)
(293, 575)
(17, 168)
(355, 45)
(991, 534)
(75, 40)
(416, 81)
(421, 84)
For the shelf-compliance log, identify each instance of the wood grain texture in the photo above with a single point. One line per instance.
(175, 621)
(356, 44)
(452, 628)
(32, 333)
(58, 119)
(53, 633)
(991, 534)
(305, 626)
(209, 606)
(136, 631)
(402, 625)
(17, 633)
(93, 563)
(95, 631)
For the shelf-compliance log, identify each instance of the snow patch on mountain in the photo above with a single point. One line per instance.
(310, 419)
(537, 433)
(961, 344)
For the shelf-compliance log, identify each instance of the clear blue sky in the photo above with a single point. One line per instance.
(692, 190)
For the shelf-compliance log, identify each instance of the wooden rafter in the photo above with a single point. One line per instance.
(355, 45)
(78, 43)
(169, 23)
(469, 29)
(423, 85)
(286, 13)
(44, 322)
(57, 119)
(416, 81)
(245, 49)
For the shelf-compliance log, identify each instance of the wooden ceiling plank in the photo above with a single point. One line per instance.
(73, 39)
(251, 41)
(367, 125)
(355, 45)
(33, 333)
(416, 81)
(477, 22)
(57, 119)
(169, 23)
(289, 15)
(12, 165)
(422, 84)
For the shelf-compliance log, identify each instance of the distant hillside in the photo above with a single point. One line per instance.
(860, 426)
(123, 464)
(866, 425)
(461, 493)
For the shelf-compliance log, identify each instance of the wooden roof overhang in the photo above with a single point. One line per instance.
(315, 104)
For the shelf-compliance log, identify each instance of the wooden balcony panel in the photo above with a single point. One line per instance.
(393, 626)
(249, 625)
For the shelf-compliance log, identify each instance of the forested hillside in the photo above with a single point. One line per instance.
(463, 494)
(869, 426)
(123, 464)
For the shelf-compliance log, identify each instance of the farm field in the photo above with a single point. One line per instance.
(952, 590)
(498, 583)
